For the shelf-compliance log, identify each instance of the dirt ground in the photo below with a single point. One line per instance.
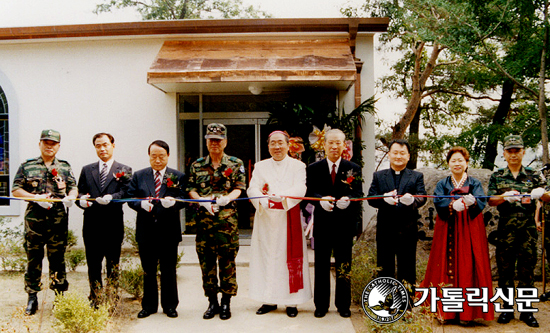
(13, 300)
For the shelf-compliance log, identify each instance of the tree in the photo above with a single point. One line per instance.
(185, 9)
(495, 43)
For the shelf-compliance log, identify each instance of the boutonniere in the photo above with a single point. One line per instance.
(171, 181)
(350, 177)
(122, 176)
(265, 189)
(227, 172)
(58, 179)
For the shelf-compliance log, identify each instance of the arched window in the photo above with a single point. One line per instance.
(4, 149)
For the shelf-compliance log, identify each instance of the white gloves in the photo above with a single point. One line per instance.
(390, 198)
(43, 204)
(146, 205)
(209, 207)
(511, 196)
(104, 200)
(223, 200)
(167, 202)
(469, 199)
(85, 203)
(459, 205)
(327, 205)
(264, 202)
(537, 193)
(407, 199)
(343, 203)
(275, 198)
(68, 201)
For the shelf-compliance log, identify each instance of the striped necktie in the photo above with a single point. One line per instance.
(157, 183)
(103, 176)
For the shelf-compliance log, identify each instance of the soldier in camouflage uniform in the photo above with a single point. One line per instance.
(221, 178)
(517, 232)
(46, 223)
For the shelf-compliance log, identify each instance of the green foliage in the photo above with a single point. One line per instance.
(298, 117)
(72, 240)
(75, 258)
(363, 268)
(131, 281)
(130, 237)
(185, 9)
(12, 253)
(73, 314)
(420, 320)
(485, 43)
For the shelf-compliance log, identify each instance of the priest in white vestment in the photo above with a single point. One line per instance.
(279, 268)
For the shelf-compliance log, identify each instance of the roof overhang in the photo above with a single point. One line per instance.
(242, 65)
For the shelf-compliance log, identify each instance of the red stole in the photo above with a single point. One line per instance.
(294, 249)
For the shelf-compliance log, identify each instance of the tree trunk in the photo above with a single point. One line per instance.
(418, 83)
(543, 112)
(498, 119)
(183, 13)
(414, 129)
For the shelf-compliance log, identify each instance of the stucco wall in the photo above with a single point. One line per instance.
(81, 88)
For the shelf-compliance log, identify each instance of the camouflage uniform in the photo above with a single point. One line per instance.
(517, 232)
(42, 226)
(217, 235)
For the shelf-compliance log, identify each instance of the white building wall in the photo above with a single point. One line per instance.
(81, 88)
(365, 52)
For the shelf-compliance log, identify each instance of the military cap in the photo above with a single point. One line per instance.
(49, 134)
(513, 141)
(215, 131)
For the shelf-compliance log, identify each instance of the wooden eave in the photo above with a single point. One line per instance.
(179, 27)
(326, 62)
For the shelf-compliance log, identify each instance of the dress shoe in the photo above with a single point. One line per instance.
(213, 309)
(505, 317)
(345, 313)
(544, 297)
(291, 311)
(319, 313)
(172, 313)
(529, 319)
(144, 313)
(265, 309)
(225, 311)
(32, 304)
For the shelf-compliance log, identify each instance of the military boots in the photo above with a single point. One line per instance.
(32, 304)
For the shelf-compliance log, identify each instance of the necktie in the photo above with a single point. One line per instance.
(333, 173)
(157, 183)
(103, 176)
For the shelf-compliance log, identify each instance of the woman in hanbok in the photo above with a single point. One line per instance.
(459, 257)
(279, 268)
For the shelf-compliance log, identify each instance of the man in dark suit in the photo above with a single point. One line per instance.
(158, 229)
(396, 228)
(103, 230)
(335, 180)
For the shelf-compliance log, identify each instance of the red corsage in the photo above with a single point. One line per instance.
(227, 172)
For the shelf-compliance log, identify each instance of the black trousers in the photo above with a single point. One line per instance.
(392, 244)
(326, 243)
(155, 254)
(98, 248)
